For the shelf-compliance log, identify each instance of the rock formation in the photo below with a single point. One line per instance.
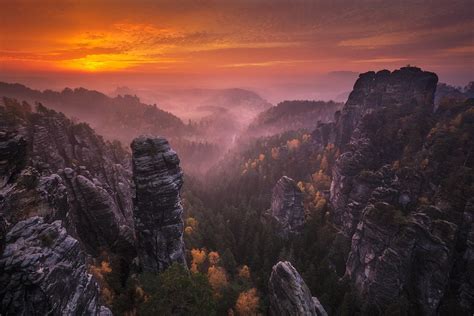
(395, 192)
(63, 171)
(157, 206)
(287, 207)
(382, 102)
(44, 272)
(289, 295)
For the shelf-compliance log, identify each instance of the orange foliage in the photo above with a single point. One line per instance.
(217, 278)
(261, 157)
(98, 272)
(199, 256)
(247, 303)
(213, 257)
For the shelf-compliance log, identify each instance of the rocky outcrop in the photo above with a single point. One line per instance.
(369, 133)
(44, 272)
(408, 86)
(157, 205)
(396, 191)
(287, 209)
(63, 171)
(396, 256)
(289, 295)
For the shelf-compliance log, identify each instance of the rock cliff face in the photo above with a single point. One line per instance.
(372, 131)
(44, 272)
(289, 295)
(63, 171)
(157, 206)
(400, 189)
(287, 207)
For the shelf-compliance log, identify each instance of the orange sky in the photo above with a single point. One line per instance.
(230, 42)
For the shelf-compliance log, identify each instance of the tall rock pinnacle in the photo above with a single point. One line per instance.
(157, 205)
(287, 206)
(289, 294)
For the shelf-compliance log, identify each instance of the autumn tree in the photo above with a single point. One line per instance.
(217, 278)
(198, 258)
(247, 302)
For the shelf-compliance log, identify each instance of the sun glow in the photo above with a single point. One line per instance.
(108, 62)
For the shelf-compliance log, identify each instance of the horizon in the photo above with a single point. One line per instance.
(280, 50)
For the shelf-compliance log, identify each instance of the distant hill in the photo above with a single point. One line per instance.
(120, 117)
(197, 103)
(293, 115)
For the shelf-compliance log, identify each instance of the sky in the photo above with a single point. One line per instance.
(283, 49)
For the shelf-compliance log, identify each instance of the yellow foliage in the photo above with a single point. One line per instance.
(190, 221)
(306, 137)
(217, 278)
(254, 164)
(247, 302)
(213, 257)
(188, 230)
(244, 272)
(293, 144)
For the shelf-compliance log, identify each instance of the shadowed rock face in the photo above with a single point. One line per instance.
(12, 155)
(379, 102)
(394, 192)
(44, 272)
(157, 206)
(287, 206)
(408, 86)
(60, 170)
(289, 295)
